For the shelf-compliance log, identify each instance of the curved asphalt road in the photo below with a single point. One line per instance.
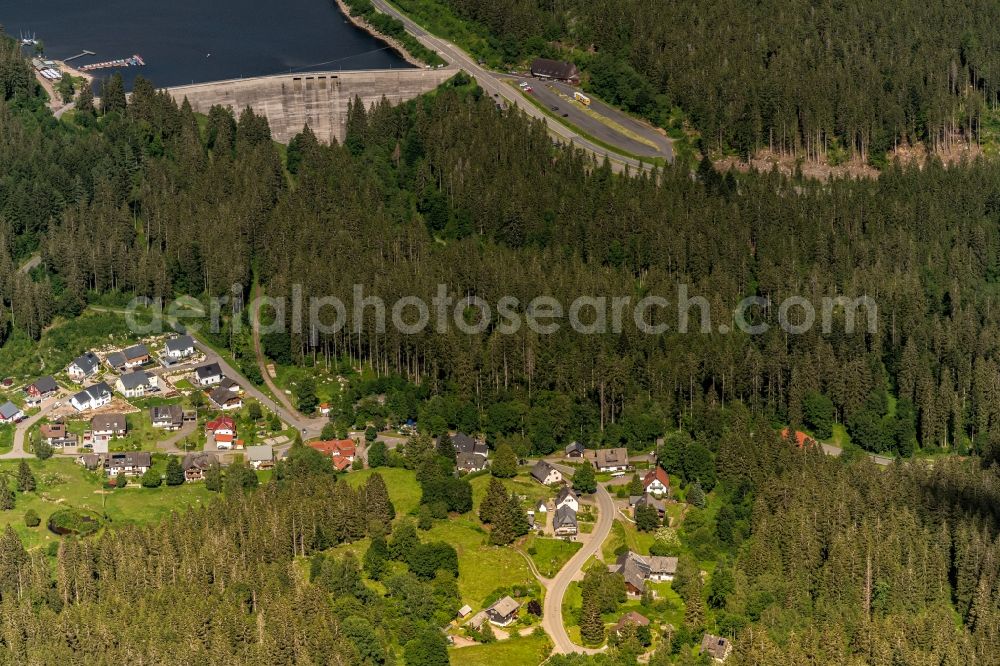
(494, 85)
(552, 617)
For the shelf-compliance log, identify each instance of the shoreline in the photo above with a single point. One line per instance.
(393, 43)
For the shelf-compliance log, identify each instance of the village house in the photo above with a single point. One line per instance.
(575, 450)
(10, 413)
(136, 384)
(56, 435)
(608, 460)
(464, 611)
(222, 431)
(465, 444)
(195, 464)
(91, 461)
(127, 359)
(717, 647)
(341, 451)
(567, 497)
(503, 612)
(542, 507)
(167, 417)
(133, 463)
(108, 426)
(92, 397)
(637, 569)
(469, 462)
(324, 408)
(260, 457)
(564, 522)
(632, 619)
(546, 474)
(559, 70)
(656, 482)
(208, 375)
(635, 501)
(44, 388)
(83, 367)
(179, 348)
(225, 399)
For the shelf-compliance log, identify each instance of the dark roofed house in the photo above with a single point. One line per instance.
(469, 462)
(716, 647)
(649, 500)
(564, 522)
(135, 384)
(559, 70)
(608, 460)
(83, 366)
(134, 463)
(225, 399)
(41, 389)
(168, 417)
(575, 450)
(637, 569)
(10, 413)
(546, 474)
(195, 465)
(180, 347)
(109, 425)
(133, 357)
(92, 397)
(567, 497)
(208, 375)
(503, 612)
(465, 444)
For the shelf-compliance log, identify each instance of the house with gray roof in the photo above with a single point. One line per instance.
(91, 397)
(469, 462)
(41, 389)
(546, 474)
(179, 348)
(260, 457)
(503, 612)
(84, 366)
(209, 374)
(10, 413)
(717, 647)
(564, 522)
(136, 384)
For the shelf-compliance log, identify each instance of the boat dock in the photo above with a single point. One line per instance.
(80, 55)
(133, 61)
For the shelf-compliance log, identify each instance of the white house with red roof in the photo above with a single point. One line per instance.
(223, 432)
(656, 481)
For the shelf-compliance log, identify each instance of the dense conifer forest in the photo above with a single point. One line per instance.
(796, 76)
(838, 560)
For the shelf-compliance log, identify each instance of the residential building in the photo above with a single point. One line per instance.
(133, 463)
(465, 444)
(559, 70)
(656, 482)
(341, 451)
(575, 450)
(630, 618)
(195, 464)
(567, 497)
(649, 500)
(91, 461)
(608, 460)
(167, 417)
(208, 375)
(56, 435)
(469, 462)
(222, 431)
(10, 413)
(136, 384)
(546, 474)
(92, 397)
(637, 569)
(260, 457)
(717, 647)
(84, 367)
(127, 359)
(179, 348)
(503, 612)
(44, 388)
(225, 399)
(564, 522)
(542, 507)
(464, 611)
(108, 426)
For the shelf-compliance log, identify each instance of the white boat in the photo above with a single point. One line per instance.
(27, 40)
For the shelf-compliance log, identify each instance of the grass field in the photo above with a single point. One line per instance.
(62, 483)
(519, 651)
(522, 484)
(550, 555)
(482, 568)
(404, 491)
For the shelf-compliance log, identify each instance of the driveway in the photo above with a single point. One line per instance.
(21, 431)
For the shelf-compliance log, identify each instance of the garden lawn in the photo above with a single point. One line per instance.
(519, 650)
(61, 483)
(550, 555)
(522, 484)
(481, 568)
(404, 491)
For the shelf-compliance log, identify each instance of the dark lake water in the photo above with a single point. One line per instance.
(185, 41)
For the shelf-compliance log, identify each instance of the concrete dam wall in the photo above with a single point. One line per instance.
(317, 99)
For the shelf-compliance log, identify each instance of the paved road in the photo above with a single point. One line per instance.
(836, 451)
(552, 617)
(21, 431)
(493, 84)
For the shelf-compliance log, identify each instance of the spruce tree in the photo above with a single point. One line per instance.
(6, 496)
(591, 623)
(25, 479)
(378, 504)
(493, 502)
(376, 558)
(445, 448)
(175, 473)
(504, 462)
(213, 477)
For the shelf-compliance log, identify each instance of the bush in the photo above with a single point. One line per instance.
(31, 518)
(151, 479)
